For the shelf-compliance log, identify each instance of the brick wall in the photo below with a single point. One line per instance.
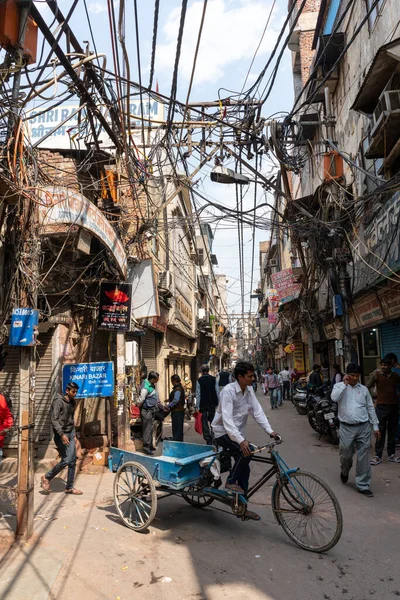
(306, 54)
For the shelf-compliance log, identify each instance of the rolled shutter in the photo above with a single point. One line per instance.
(390, 336)
(149, 350)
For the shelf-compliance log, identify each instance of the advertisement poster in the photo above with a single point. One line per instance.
(286, 285)
(273, 305)
(115, 306)
(94, 379)
(24, 327)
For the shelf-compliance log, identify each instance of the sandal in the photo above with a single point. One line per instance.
(251, 516)
(74, 492)
(45, 484)
(375, 461)
(394, 458)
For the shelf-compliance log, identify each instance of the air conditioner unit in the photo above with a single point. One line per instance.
(387, 103)
(165, 280)
(273, 262)
(203, 314)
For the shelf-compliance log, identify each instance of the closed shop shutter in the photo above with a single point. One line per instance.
(43, 391)
(390, 338)
(10, 381)
(149, 350)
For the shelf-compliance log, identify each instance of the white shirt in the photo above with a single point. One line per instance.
(285, 375)
(233, 410)
(355, 404)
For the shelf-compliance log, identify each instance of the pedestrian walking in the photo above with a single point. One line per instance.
(223, 378)
(207, 398)
(396, 369)
(279, 399)
(149, 404)
(316, 378)
(176, 404)
(6, 421)
(387, 410)
(286, 377)
(356, 415)
(62, 420)
(272, 385)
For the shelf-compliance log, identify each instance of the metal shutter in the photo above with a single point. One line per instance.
(44, 392)
(390, 338)
(149, 350)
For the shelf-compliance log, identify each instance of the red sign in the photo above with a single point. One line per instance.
(286, 285)
(115, 306)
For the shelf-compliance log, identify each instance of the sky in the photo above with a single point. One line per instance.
(231, 33)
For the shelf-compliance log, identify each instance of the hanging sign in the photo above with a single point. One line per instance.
(94, 379)
(286, 285)
(115, 306)
(24, 327)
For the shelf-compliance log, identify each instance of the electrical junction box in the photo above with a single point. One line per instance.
(337, 305)
(9, 30)
(24, 327)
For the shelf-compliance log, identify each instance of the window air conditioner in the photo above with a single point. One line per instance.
(165, 280)
(387, 103)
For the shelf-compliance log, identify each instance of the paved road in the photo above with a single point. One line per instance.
(191, 554)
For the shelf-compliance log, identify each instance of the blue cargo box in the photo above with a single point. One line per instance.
(176, 468)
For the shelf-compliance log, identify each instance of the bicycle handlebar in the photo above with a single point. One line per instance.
(278, 440)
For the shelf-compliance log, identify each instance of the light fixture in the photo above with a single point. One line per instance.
(221, 174)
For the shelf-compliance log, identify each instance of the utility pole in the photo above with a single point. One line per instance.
(28, 299)
(343, 274)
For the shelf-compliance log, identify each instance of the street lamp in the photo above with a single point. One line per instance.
(221, 174)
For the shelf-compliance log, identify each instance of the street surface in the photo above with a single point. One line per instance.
(192, 554)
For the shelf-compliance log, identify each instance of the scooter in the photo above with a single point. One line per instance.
(299, 398)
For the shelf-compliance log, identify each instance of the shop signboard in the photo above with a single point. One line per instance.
(298, 358)
(368, 311)
(286, 285)
(115, 306)
(390, 300)
(94, 379)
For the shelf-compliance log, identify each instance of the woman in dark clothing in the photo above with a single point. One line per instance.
(176, 404)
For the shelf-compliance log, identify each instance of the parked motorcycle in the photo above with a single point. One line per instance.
(299, 398)
(322, 414)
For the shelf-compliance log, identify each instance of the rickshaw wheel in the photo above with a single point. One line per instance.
(135, 495)
(191, 496)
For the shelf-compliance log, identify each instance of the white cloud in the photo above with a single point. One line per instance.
(232, 31)
(97, 7)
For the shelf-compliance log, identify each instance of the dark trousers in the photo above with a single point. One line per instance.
(240, 473)
(388, 416)
(285, 390)
(147, 415)
(207, 415)
(68, 459)
(177, 419)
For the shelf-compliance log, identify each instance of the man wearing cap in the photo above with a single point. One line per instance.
(356, 415)
(62, 419)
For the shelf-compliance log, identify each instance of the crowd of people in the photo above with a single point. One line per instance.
(224, 402)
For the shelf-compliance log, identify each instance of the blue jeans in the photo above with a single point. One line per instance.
(68, 459)
(273, 396)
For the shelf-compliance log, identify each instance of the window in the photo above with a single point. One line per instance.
(375, 11)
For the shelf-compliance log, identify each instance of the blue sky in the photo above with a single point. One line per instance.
(231, 34)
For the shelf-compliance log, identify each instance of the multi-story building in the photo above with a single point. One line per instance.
(342, 206)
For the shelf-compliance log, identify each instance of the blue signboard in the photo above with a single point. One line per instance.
(94, 379)
(24, 326)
